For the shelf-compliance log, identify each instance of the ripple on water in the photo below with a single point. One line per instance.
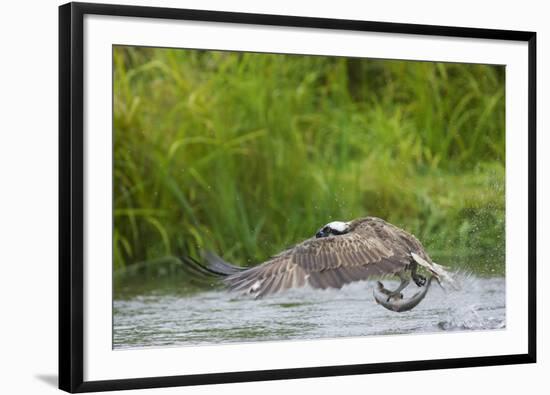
(215, 317)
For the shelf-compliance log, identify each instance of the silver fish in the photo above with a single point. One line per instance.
(398, 303)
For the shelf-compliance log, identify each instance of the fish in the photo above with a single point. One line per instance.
(398, 303)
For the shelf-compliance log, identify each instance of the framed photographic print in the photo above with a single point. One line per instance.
(251, 197)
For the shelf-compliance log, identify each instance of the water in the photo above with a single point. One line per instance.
(155, 319)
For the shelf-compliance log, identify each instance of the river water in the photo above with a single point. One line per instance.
(156, 319)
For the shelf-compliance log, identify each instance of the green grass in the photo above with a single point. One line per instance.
(247, 153)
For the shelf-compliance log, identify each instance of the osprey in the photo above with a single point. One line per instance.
(340, 253)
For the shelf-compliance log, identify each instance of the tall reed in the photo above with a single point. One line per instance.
(248, 153)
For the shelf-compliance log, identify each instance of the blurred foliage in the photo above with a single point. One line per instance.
(247, 153)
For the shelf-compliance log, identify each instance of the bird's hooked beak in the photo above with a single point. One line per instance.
(321, 233)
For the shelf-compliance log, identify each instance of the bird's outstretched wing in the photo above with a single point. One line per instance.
(330, 262)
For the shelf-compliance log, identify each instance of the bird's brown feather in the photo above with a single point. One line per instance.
(372, 247)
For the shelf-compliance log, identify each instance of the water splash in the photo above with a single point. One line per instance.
(468, 313)
(216, 316)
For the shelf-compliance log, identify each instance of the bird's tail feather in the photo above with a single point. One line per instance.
(213, 265)
(217, 264)
(196, 267)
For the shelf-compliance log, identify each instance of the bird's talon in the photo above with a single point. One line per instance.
(419, 280)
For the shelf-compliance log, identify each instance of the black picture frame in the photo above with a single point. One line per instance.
(71, 197)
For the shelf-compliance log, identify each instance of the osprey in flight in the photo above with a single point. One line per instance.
(340, 253)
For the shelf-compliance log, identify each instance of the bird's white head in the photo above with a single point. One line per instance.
(334, 228)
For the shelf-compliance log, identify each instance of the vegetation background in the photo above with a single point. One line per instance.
(248, 153)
